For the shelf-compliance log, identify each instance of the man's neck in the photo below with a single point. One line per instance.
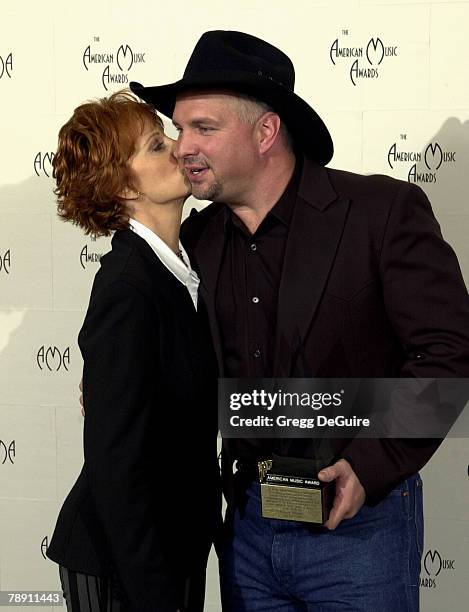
(267, 191)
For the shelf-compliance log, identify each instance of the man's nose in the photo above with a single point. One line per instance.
(185, 145)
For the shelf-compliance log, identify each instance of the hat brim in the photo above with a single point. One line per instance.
(308, 131)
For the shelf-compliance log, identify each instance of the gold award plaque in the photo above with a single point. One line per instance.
(295, 498)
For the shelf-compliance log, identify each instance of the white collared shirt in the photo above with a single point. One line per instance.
(182, 271)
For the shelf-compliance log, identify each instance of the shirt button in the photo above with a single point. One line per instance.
(253, 247)
(255, 300)
(257, 353)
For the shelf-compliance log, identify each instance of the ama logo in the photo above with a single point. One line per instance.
(43, 164)
(6, 66)
(89, 257)
(365, 59)
(116, 63)
(425, 164)
(52, 359)
(44, 547)
(433, 565)
(7, 452)
(5, 262)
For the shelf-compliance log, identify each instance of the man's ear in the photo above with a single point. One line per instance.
(268, 128)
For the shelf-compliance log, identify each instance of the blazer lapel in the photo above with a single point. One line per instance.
(208, 254)
(315, 232)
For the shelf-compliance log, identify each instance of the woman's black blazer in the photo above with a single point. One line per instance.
(147, 501)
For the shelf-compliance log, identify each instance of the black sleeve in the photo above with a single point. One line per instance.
(116, 341)
(427, 304)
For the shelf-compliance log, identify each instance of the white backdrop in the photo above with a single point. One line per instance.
(389, 77)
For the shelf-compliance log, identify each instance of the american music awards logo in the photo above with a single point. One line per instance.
(5, 262)
(423, 165)
(364, 61)
(6, 65)
(114, 64)
(43, 164)
(7, 452)
(89, 256)
(53, 359)
(433, 566)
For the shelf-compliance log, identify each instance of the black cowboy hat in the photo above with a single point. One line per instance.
(246, 64)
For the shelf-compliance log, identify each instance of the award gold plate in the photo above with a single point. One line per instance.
(294, 497)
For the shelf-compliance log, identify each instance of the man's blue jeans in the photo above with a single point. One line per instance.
(370, 563)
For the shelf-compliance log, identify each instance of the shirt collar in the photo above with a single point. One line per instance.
(283, 209)
(182, 271)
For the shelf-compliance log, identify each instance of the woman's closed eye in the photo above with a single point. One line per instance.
(158, 145)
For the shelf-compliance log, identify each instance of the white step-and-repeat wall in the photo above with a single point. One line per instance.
(390, 79)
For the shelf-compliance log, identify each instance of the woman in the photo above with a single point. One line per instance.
(135, 531)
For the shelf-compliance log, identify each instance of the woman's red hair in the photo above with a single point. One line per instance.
(90, 165)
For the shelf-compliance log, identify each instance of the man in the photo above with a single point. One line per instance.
(308, 271)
